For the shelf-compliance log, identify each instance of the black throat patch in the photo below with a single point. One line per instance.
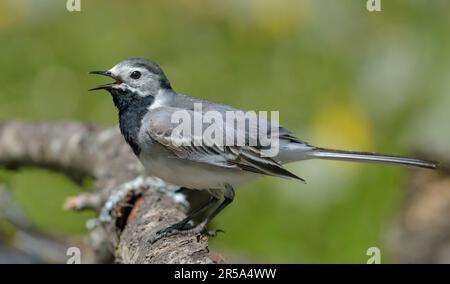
(132, 108)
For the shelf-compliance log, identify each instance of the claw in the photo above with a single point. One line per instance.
(171, 230)
(183, 228)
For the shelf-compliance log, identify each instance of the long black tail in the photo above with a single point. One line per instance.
(331, 154)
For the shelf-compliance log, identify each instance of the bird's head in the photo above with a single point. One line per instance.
(134, 77)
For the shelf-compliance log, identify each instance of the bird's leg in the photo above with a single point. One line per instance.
(184, 224)
(201, 227)
(228, 198)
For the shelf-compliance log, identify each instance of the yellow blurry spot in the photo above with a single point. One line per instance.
(342, 126)
(11, 12)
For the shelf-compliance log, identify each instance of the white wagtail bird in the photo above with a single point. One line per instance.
(146, 104)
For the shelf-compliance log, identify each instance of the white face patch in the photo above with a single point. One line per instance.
(134, 85)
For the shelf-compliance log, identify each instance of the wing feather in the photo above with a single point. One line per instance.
(197, 149)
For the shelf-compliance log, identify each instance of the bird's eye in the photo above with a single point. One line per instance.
(135, 75)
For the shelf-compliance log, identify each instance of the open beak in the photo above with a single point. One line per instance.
(106, 86)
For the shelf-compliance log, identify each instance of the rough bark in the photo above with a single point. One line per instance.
(131, 209)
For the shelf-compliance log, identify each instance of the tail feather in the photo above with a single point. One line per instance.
(331, 154)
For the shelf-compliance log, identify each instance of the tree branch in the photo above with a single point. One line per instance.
(131, 208)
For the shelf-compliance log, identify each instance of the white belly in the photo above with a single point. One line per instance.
(194, 175)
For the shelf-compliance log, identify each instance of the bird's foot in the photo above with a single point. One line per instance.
(175, 228)
(178, 228)
(184, 228)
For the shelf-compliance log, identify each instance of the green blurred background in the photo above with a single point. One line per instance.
(339, 75)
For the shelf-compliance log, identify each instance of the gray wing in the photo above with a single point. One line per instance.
(187, 102)
(199, 148)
